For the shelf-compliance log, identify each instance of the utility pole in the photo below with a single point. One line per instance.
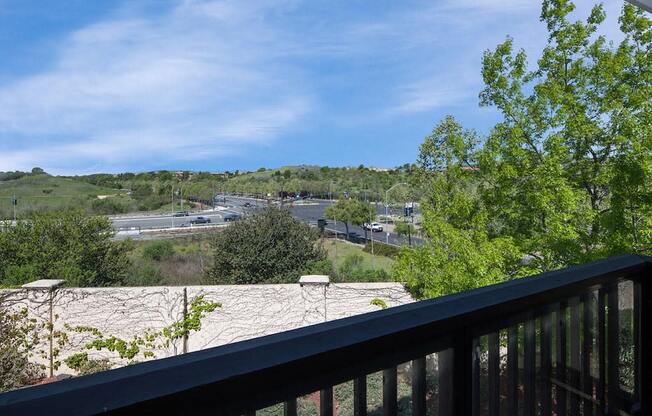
(14, 202)
(172, 214)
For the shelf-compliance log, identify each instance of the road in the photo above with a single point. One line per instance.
(164, 221)
(308, 211)
(311, 210)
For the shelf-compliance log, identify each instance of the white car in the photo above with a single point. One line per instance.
(374, 227)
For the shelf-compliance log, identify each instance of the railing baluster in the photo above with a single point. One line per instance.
(419, 387)
(445, 381)
(290, 408)
(636, 318)
(390, 391)
(546, 365)
(645, 337)
(360, 396)
(494, 374)
(326, 402)
(587, 350)
(560, 359)
(475, 377)
(512, 370)
(601, 344)
(573, 376)
(529, 365)
(613, 351)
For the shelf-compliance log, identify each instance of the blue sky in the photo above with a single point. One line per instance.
(110, 86)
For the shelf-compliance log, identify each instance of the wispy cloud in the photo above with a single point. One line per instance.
(186, 85)
(209, 79)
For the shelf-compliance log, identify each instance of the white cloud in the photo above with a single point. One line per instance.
(186, 85)
(214, 78)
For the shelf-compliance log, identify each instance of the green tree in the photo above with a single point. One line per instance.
(350, 211)
(459, 253)
(270, 246)
(563, 178)
(570, 166)
(63, 245)
(405, 229)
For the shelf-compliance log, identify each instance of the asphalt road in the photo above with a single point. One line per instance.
(168, 221)
(309, 211)
(312, 210)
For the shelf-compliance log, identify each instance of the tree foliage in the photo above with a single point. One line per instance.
(565, 177)
(268, 247)
(62, 245)
(351, 212)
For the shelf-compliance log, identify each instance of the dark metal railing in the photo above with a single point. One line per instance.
(569, 342)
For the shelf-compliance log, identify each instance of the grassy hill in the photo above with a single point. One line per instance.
(44, 192)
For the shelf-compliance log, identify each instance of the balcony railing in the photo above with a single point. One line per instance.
(570, 342)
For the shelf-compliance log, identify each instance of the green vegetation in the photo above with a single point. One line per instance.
(564, 178)
(42, 192)
(352, 263)
(152, 191)
(63, 245)
(16, 343)
(271, 246)
(351, 211)
(172, 262)
(145, 344)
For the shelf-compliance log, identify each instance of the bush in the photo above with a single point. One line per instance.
(352, 270)
(382, 249)
(270, 246)
(323, 267)
(159, 250)
(15, 345)
(109, 206)
(63, 245)
(144, 274)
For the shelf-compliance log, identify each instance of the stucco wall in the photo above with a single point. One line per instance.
(246, 312)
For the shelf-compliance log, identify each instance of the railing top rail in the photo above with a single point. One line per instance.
(277, 367)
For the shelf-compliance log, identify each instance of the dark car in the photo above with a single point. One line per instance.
(201, 220)
(231, 217)
(247, 204)
(181, 214)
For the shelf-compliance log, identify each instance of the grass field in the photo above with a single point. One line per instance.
(338, 251)
(45, 192)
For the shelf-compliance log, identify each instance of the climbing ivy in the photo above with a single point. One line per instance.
(146, 343)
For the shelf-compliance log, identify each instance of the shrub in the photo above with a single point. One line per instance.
(382, 249)
(159, 250)
(109, 206)
(15, 345)
(270, 246)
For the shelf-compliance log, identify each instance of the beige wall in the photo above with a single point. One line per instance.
(246, 312)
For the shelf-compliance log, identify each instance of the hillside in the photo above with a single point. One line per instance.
(152, 191)
(45, 192)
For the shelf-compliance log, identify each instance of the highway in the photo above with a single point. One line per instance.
(308, 211)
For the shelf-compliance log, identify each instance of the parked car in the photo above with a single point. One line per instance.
(181, 214)
(373, 227)
(247, 204)
(201, 220)
(231, 217)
